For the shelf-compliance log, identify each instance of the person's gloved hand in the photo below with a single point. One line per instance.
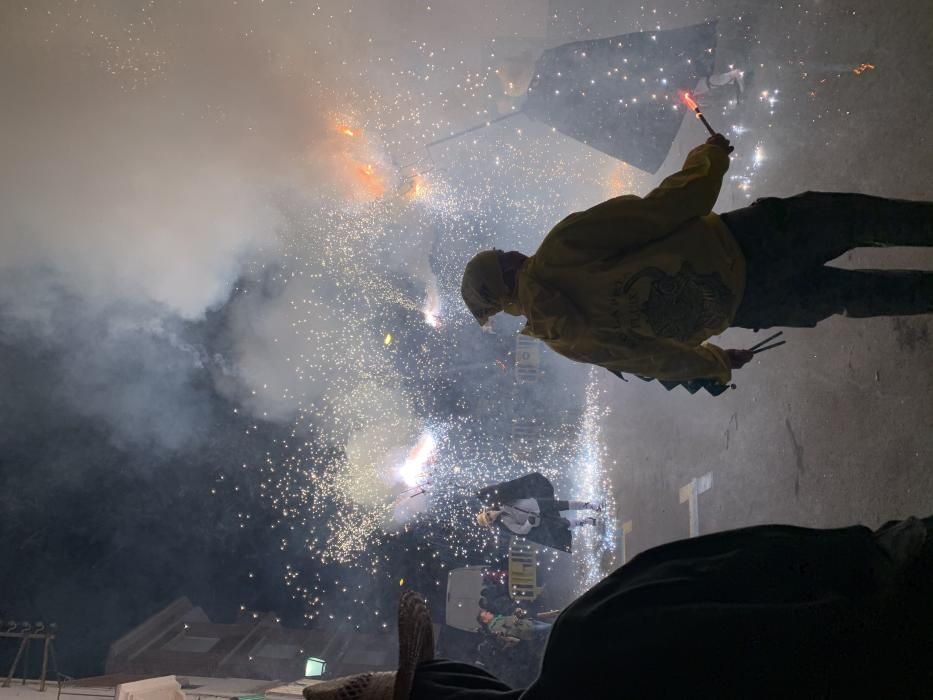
(721, 141)
(739, 358)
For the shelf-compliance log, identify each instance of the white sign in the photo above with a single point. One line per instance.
(689, 494)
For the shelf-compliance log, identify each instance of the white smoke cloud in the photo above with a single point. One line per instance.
(385, 430)
(144, 149)
(150, 150)
(152, 194)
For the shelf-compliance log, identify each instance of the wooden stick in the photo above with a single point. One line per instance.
(769, 347)
(766, 340)
(700, 116)
(22, 647)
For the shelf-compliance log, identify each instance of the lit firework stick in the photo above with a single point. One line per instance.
(689, 101)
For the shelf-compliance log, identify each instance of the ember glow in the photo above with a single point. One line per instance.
(689, 101)
(370, 183)
(417, 188)
(624, 179)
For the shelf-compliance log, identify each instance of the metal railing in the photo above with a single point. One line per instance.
(27, 632)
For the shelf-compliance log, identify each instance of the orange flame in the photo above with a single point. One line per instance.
(417, 188)
(359, 177)
(861, 68)
(372, 184)
(687, 100)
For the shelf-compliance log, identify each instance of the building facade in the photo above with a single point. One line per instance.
(181, 640)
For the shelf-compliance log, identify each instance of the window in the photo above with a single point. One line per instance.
(314, 667)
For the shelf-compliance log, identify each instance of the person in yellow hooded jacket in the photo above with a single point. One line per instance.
(639, 284)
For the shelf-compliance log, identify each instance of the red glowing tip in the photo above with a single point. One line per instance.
(688, 100)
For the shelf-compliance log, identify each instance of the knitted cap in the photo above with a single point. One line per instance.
(483, 288)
